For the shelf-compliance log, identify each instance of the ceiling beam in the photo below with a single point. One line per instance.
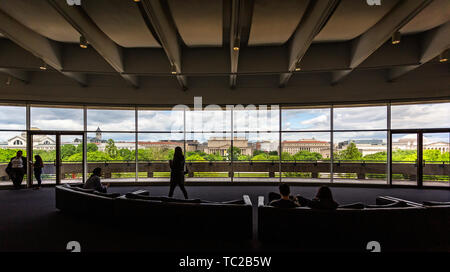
(17, 74)
(318, 13)
(111, 52)
(41, 47)
(434, 43)
(377, 35)
(167, 35)
(240, 23)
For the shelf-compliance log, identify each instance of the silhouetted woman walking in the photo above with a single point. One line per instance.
(37, 168)
(177, 172)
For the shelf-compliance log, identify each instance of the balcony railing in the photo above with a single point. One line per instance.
(360, 170)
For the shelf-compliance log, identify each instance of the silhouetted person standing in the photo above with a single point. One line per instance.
(93, 181)
(285, 201)
(37, 169)
(17, 168)
(177, 172)
(323, 200)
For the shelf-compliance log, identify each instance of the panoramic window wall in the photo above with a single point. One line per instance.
(341, 143)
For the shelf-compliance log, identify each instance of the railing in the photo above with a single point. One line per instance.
(359, 169)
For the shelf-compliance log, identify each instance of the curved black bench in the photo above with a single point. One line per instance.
(231, 220)
(156, 215)
(396, 226)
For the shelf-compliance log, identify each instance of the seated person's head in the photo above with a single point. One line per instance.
(285, 191)
(324, 193)
(97, 171)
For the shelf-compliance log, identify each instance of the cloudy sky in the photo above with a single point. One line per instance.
(404, 116)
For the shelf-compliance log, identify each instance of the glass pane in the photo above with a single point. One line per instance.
(149, 120)
(110, 120)
(154, 152)
(360, 118)
(256, 156)
(71, 158)
(251, 118)
(305, 119)
(404, 159)
(12, 117)
(45, 147)
(56, 118)
(114, 153)
(306, 156)
(10, 143)
(436, 159)
(360, 157)
(208, 120)
(421, 116)
(209, 156)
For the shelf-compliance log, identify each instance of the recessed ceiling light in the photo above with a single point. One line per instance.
(83, 42)
(236, 44)
(443, 57)
(396, 37)
(43, 66)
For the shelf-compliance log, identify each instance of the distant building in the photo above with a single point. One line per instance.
(366, 147)
(40, 142)
(311, 145)
(220, 145)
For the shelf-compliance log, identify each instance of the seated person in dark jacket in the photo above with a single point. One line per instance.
(285, 201)
(93, 181)
(322, 201)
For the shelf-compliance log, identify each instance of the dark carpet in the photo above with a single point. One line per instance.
(29, 220)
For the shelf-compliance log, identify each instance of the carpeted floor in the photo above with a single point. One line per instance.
(29, 220)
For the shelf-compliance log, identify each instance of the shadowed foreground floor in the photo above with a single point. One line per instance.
(29, 220)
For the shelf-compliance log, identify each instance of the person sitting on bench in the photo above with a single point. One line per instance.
(93, 181)
(322, 201)
(285, 201)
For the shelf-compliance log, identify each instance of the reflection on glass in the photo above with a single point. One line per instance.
(256, 155)
(305, 156)
(71, 158)
(360, 118)
(56, 118)
(111, 120)
(421, 116)
(114, 153)
(305, 119)
(153, 120)
(404, 159)
(154, 151)
(45, 146)
(436, 159)
(12, 117)
(10, 143)
(360, 156)
(209, 155)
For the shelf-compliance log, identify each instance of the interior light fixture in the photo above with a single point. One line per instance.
(43, 66)
(236, 44)
(83, 42)
(137, 1)
(173, 70)
(297, 67)
(396, 37)
(8, 81)
(443, 57)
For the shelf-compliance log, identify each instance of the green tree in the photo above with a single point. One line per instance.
(67, 150)
(233, 154)
(305, 155)
(214, 157)
(195, 157)
(350, 153)
(111, 149)
(126, 154)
